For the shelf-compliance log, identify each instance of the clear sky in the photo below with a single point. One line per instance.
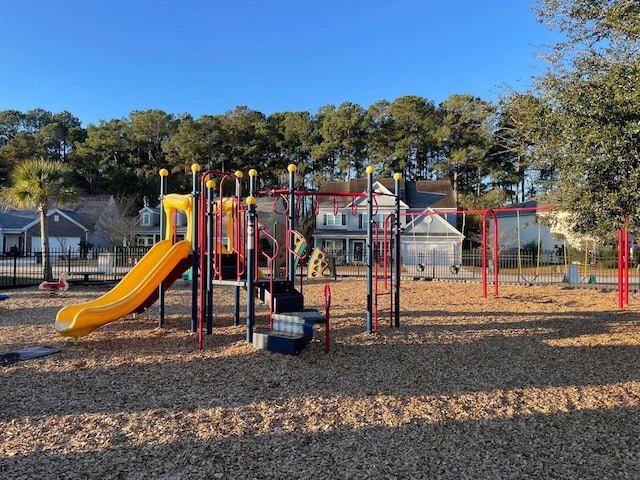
(102, 59)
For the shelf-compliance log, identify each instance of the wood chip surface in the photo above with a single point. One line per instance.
(539, 382)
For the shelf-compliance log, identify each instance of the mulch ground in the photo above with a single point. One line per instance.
(539, 382)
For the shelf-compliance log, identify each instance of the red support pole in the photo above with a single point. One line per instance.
(484, 255)
(495, 253)
(626, 266)
(620, 269)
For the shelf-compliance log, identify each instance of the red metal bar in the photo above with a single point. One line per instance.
(626, 266)
(175, 226)
(375, 274)
(496, 263)
(386, 244)
(285, 201)
(620, 268)
(484, 254)
(387, 247)
(270, 260)
(305, 193)
(238, 218)
(623, 267)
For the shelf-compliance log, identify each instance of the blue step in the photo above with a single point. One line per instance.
(292, 325)
(280, 342)
(290, 331)
(285, 296)
(307, 315)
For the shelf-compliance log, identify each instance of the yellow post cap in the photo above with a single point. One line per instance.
(253, 172)
(164, 172)
(238, 174)
(211, 184)
(291, 168)
(251, 200)
(369, 170)
(397, 176)
(195, 167)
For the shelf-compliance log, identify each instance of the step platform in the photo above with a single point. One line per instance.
(307, 315)
(290, 333)
(285, 296)
(280, 342)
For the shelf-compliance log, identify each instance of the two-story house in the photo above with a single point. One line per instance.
(427, 236)
(149, 231)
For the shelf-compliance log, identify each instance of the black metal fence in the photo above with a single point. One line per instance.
(94, 266)
(110, 265)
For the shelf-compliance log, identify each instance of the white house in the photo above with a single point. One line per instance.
(427, 237)
(525, 226)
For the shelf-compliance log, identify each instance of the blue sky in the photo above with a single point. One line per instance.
(102, 59)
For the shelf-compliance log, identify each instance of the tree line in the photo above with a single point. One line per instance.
(457, 140)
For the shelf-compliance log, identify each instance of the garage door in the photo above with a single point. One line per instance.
(57, 244)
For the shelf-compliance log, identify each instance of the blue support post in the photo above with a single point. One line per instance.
(163, 191)
(291, 274)
(210, 195)
(251, 253)
(369, 171)
(397, 245)
(195, 169)
(236, 306)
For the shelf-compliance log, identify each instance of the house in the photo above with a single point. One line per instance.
(427, 220)
(68, 226)
(149, 231)
(525, 226)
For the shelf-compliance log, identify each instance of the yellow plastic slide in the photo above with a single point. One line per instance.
(130, 293)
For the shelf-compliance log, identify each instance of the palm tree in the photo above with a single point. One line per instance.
(40, 184)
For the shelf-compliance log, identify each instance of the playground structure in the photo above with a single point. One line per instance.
(221, 247)
(224, 244)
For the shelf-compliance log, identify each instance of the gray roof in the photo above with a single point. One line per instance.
(416, 194)
(85, 212)
(17, 219)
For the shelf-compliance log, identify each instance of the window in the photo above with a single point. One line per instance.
(146, 218)
(334, 220)
(378, 218)
(144, 241)
(333, 247)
